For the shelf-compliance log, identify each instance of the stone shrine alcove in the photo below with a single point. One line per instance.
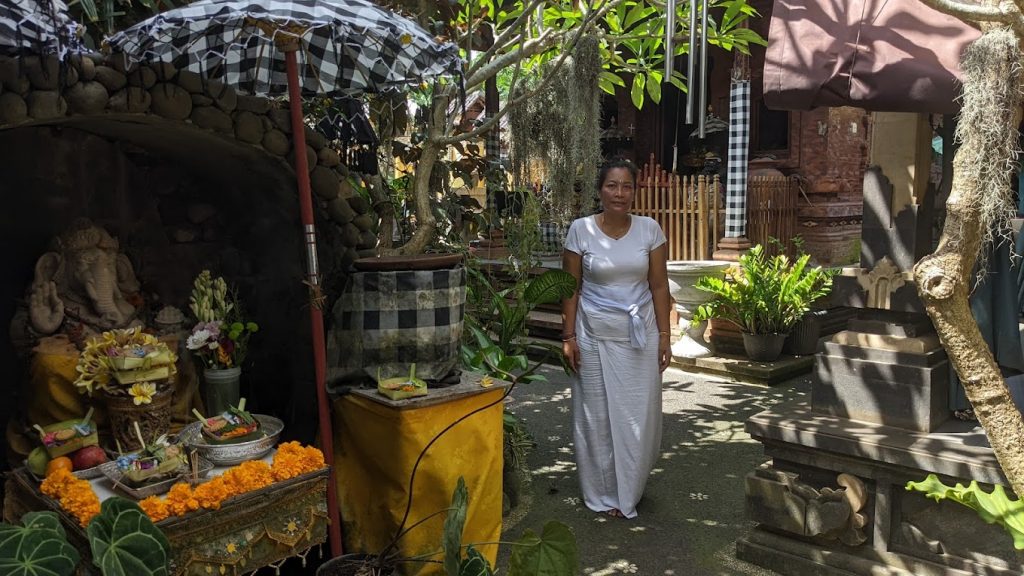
(179, 199)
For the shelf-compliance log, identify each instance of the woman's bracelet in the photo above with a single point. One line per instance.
(568, 337)
(662, 333)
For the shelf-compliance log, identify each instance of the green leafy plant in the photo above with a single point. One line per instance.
(518, 442)
(38, 547)
(764, 295)
(993, 507)
(552, 553)
(495, 330)
(123, 541)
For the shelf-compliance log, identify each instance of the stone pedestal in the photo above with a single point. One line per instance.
(682, 278)
(832, 499)
(730, 249)
(902, 382)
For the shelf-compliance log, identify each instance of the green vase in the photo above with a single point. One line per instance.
(220, 389)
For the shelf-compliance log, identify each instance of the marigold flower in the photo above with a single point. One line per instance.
(74, 495)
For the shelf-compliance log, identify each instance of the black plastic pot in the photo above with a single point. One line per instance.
(803, 338)
(352, 565)
(763, 347)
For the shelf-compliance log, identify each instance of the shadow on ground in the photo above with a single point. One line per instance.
(692, 510)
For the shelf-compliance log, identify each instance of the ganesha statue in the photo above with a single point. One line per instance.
(84, 277)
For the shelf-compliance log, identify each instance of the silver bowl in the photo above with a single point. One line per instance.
(231, 454)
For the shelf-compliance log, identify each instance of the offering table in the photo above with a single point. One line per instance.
(250, 531)
(377, 443)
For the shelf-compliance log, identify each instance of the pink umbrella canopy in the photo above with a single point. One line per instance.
(891, 55)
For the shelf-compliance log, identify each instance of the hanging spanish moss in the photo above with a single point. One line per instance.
(555, 135)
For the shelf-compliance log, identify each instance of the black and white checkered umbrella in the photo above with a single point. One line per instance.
(37, 27)
(345, 47)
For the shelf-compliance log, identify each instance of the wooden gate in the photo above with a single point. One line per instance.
(686, 207)
(771, 212)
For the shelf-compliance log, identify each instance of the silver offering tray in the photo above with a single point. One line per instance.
(182, 473)
(234, 453)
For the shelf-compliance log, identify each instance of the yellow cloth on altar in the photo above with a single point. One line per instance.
(50, 395)
(375, 449)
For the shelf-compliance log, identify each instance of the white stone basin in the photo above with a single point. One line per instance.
(682, 276)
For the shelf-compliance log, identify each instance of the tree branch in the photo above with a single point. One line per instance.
(981, 12)
(943, 278)
(520, 23)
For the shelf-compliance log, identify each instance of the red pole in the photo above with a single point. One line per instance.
(315, 314)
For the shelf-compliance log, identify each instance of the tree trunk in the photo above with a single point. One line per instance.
(426, 224)
(945, 277)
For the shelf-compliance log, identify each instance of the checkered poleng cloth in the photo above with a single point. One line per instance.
(739, 141)
(552, 237)
(346, 48)
(39, 27)
(390, 319)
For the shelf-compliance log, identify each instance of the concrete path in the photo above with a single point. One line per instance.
(692, 510)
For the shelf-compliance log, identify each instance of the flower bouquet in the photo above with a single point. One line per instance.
(219, 340)
(221, 337)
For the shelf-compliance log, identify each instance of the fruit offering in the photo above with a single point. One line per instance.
(151, 462)
(65, 437)
(400, 387)
(232, 425)
(59, 463)
(88, 457)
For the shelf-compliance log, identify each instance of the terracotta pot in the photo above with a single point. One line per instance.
(154, 418)
(763, 347)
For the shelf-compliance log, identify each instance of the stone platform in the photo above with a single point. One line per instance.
(748, 371)
(832, 500)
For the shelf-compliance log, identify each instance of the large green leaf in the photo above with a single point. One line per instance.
(550, 287)
(636, 93)
(995, 507)
(474, 564)
(453, 525)
(125, 542)
(554, 553)
(37, 548)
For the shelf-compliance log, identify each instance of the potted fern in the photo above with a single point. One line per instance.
(764, 296)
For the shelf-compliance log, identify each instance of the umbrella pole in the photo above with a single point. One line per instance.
(315, 313)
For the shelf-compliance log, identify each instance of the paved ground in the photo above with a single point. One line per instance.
(692, 511)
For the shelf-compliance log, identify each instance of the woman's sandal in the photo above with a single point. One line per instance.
(614, 513)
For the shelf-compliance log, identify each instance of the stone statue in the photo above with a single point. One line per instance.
(85, 277)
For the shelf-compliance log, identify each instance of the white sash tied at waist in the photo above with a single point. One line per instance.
(598, 295)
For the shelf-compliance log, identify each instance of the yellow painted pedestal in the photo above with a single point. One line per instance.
(377, 442)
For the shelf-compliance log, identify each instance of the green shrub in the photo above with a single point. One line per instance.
(762, 294)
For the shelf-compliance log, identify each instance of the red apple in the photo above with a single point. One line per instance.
(87, 457)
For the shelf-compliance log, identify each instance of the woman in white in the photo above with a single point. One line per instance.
(617, 340)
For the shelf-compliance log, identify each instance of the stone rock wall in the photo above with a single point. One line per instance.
(41, 90)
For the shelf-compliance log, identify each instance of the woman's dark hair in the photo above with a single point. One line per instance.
(610, 165)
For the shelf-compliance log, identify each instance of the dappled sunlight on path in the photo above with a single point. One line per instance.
(692, 510)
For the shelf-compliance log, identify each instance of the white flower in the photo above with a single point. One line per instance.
(198, 339)
(698, 496)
